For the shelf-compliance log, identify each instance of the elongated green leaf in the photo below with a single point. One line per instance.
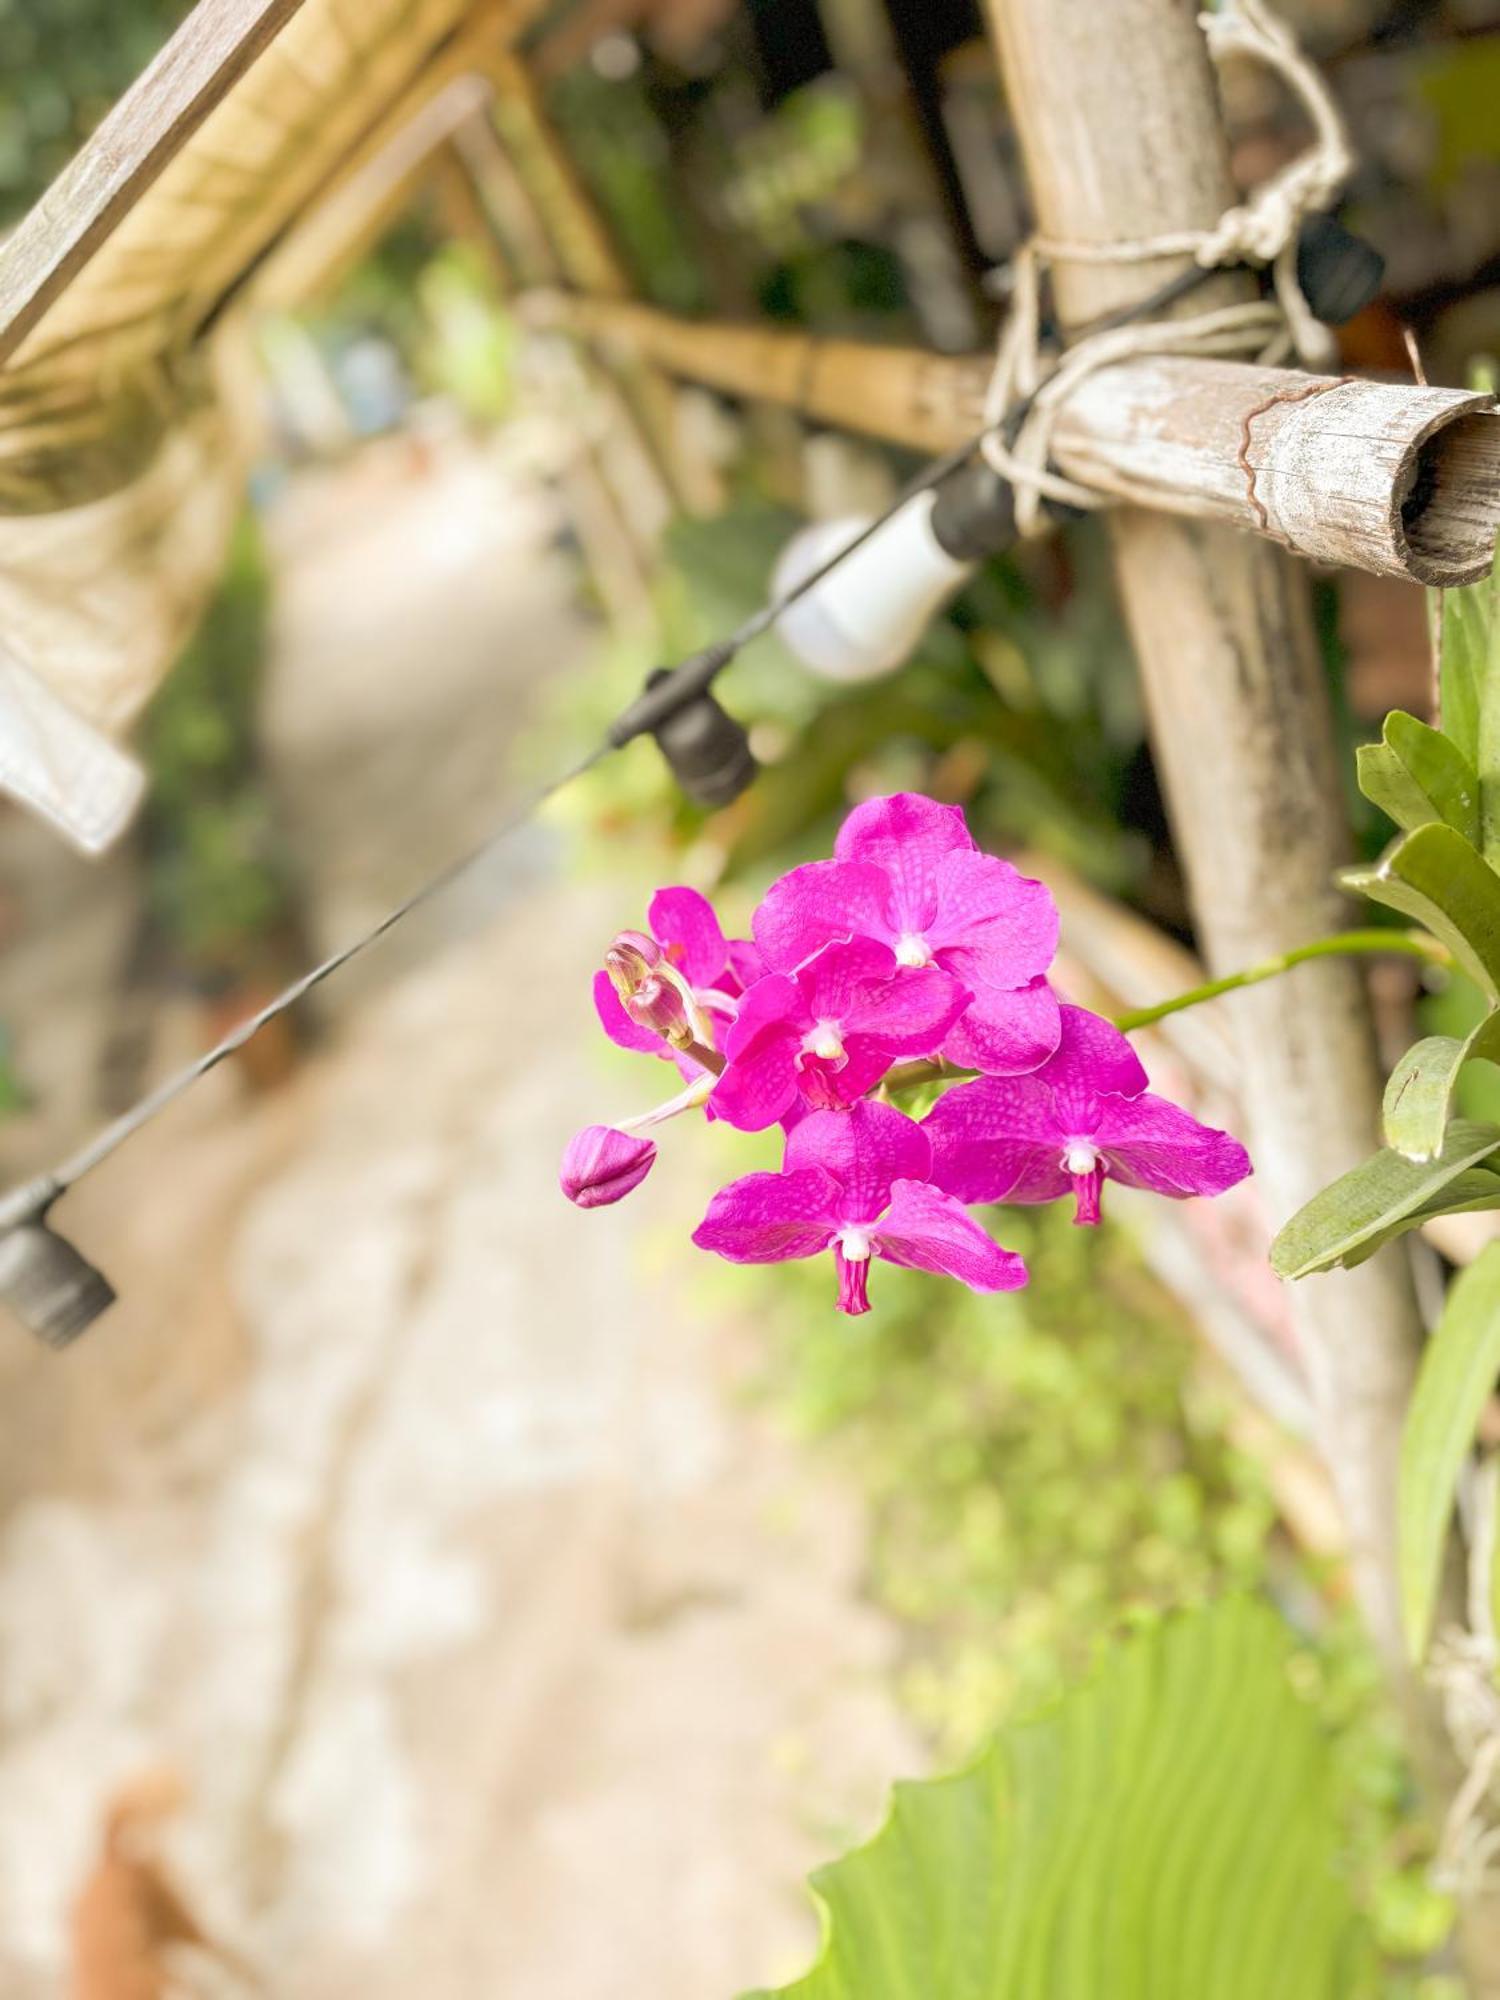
(1380, 1198)
(1419, 1096)
(1168, 1832)
(1435, 876)
(1419, 777)
(1459, 1365)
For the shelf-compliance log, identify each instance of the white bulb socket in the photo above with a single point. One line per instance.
(866, 616)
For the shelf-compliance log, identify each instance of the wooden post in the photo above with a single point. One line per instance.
(1120, 129)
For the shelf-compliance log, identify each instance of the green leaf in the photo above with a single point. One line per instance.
(1458, 1370)
(1435, 876)
(1168, 1832)
(1384, 1196)
(1418, 776)
(1419, 1096)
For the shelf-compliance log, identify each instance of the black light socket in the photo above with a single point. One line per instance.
(707, 751)
(1339, 272)
(974, 513)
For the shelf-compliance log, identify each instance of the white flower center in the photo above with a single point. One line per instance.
(825, 1041)
(912, 950)
(855, 1244)
(1079, 1157)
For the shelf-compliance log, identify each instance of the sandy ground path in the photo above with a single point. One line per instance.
(414, 1519)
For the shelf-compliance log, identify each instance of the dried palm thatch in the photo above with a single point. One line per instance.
(118, 464)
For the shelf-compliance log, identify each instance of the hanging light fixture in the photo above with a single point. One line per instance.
(51, 1288)
(865, 618)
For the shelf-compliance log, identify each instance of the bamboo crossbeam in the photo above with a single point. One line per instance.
(1394, 478)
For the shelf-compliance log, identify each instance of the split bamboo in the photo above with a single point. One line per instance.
(1395, 478)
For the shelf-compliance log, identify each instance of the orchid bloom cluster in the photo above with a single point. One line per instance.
(909, 957)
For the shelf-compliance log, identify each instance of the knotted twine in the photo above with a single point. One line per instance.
(1262, 230)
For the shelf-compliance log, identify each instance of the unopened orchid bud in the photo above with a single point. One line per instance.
(631, 960)
(602, 1165)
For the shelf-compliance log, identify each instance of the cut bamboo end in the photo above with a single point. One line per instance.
(1394, 478)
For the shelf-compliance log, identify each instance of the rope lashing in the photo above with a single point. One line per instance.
(1262, 230)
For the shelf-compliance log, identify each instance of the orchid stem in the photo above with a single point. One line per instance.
(1403, 944)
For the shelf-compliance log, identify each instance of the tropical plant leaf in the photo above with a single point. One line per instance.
(1165, 1833)
(1419, 776)
(1435, 876)
(1458, 1370)
(1419, 1096)
(1382, 1197)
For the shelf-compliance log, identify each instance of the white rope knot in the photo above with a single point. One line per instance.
(1262, 230)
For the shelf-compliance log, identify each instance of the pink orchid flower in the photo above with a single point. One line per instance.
(856, 1182)
(829, 1031)
(1085, 1117)
(906, 872)
(683, 928)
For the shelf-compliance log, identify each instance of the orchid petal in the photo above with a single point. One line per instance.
(1093, 1058)
(1006, 1032)
(617, 1024)
(833, 1086)
(765, 1218)
(1150, 1143)
(858, 983)
(865, 1149)
(811, 906)
(746, 964)
(684, 924)
(992, 924)
(925, 1230)
(907, 836)
(997, 1140)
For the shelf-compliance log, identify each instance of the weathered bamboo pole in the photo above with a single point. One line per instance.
(1390, 477)
(1120, 129)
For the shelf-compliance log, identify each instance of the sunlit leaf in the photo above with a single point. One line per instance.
(1418, 776)
(1435, 876)
(1382, 1197)
(1459, 1365)
(1168, 1832)
(1419, 1096)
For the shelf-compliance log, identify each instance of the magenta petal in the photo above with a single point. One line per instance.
(1006, 1032)
(759, 1086)
(765, 1218)
(926, 1230)
(684, 923)
(1150, 1143)
(617, 1024)
(815, 904)
(1093, 1058)
(746, 964)
(993, 925)
(858, 984)
(865, 1149)
(997, 1140)
(907, 836)
(601, 1165)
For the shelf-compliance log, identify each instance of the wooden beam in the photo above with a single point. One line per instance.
(146, 129)
(1389, 477)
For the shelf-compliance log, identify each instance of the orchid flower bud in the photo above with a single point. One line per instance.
(652, 991)
(602, 1165)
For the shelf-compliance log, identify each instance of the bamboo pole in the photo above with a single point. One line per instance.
(1395, 478)
(1120, 130)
